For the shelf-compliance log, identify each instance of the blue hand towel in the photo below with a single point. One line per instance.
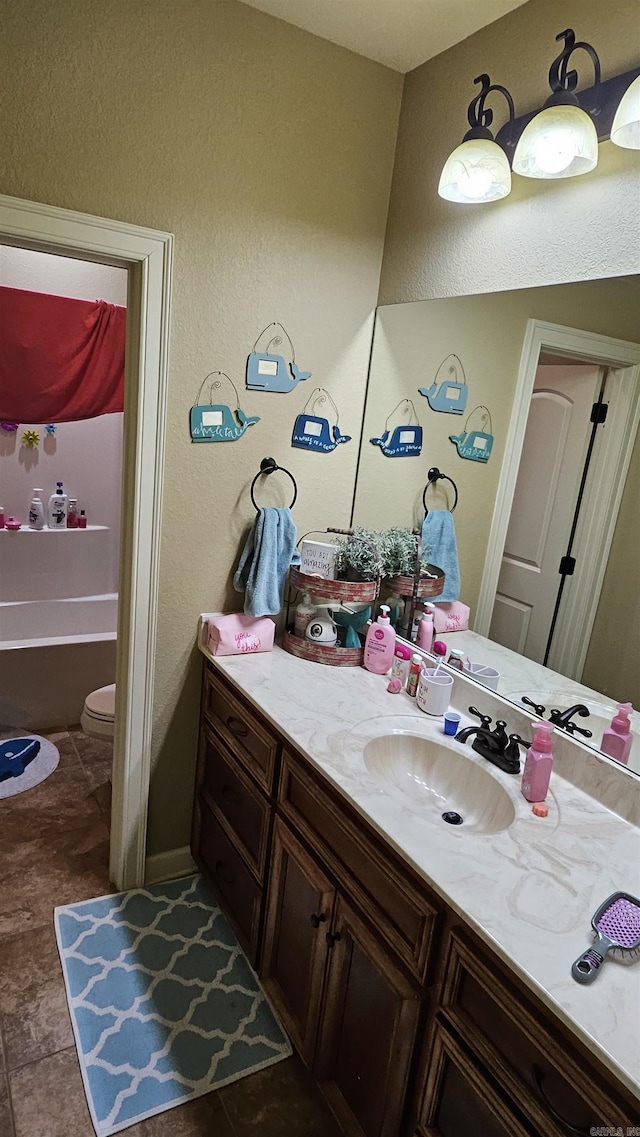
(265, 561)
(441, 549)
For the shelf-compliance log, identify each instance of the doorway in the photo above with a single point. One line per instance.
(525, 601)
(146, 255)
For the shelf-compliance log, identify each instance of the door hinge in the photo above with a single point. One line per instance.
(567, 566)
(599, 413)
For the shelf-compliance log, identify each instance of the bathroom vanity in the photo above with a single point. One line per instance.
(422, 970)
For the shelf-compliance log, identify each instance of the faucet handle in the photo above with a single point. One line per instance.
(537, 707)
(484, 719)
(573, 728)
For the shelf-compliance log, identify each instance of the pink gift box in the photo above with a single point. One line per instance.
(452, 616)
(237, 634)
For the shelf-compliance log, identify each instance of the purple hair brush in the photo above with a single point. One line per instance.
(617, 928)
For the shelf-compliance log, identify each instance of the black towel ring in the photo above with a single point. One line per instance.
(434, 476)
(269, 466)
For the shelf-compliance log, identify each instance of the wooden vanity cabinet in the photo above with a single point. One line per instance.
(409, 1023)
(236, 771)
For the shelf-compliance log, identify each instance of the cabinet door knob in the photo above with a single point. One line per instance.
(318, 920)
(225, 874)
(332, 938)
(231, 795)
(237, 727)
(580, 1130)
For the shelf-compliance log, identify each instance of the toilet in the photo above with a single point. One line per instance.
(98, 715)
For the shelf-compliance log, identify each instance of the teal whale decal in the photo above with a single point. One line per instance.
(218, 423)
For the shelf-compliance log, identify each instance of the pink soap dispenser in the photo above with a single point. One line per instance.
(380, 643)
(617, 738)
(537, 768)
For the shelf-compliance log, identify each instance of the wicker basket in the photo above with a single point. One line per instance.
(428, 587)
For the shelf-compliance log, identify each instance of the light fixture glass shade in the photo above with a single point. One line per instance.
(625, 129)
(477, 170)
(559, 142)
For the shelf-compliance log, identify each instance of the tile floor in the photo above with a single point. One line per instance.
(54, 849)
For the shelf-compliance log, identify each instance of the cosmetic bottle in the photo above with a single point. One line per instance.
(414, 675)
(1, 516)
(72, 513)
(617, 738)
(538, 764)
(82, 520)
(456, 659)
(57, 509)
(401, 664)
(36, 511)
(418, 613)
(380, 643)
(304, 612)
(426, 629)
(396, 609)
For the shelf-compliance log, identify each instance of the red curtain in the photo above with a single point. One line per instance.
(61, 360)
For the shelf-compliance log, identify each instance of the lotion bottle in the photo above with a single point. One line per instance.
(617, 738)
(380, 643)
(57, 510)
(304, 612)
(538, 764)
(36, 511)
(426, 629)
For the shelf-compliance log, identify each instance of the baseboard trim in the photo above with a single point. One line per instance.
(168, 866)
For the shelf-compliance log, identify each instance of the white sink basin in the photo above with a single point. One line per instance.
(431, 779)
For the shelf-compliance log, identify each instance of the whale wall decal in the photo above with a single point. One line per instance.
(475, 446)
(401, 442)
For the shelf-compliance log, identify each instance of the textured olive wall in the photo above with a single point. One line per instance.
(268, 153)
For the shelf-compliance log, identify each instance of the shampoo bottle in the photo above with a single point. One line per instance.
(617, 738)
(36, 511)
(57, 510)
(537, 768)
(380, 644)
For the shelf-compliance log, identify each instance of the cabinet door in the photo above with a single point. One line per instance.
(299, 914)
(459, 1100)
(368, 1030)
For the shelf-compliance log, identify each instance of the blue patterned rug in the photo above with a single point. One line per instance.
(164, 1004)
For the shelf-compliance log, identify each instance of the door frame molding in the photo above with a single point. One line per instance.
(147, 256)
(606, 480)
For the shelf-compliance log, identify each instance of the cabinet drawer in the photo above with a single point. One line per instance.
(244, 733)
(550, 1081)
(459, 1100)
(239, 895)
(385, 893)
(239, 801)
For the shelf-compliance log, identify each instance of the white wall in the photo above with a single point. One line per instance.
(86, 456)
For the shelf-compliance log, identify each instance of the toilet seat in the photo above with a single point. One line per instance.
(98, 715)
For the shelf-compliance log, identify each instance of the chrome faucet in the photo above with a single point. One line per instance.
(495, 745)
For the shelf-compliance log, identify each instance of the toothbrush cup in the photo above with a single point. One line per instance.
(434, 691)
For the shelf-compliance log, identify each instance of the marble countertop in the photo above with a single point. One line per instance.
(529, 891)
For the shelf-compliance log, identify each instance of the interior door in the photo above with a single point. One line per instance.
(553, 456)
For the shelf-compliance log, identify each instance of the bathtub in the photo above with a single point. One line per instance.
(44, 623)
(58, 625)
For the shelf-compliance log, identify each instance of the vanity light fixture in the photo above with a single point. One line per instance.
(625, 128)
(558, 140)
(478, 169)
(561, 141)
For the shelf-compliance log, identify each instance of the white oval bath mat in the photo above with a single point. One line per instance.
(38, 769)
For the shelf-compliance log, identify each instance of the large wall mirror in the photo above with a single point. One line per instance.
(537, 360)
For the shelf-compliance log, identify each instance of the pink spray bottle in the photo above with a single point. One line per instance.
(537, 767)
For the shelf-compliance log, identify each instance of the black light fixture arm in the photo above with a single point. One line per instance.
(479, 116)
(562, 80)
